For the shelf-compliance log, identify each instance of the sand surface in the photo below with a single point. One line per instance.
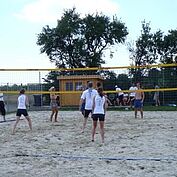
(133, 147)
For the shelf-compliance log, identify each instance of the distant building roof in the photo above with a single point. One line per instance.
(80, 77)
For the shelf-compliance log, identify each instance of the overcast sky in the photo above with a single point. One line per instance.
(22, 20)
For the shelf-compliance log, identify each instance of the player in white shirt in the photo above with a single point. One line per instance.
(119, 96)
(156, 96)
(2, 106)
(133, 88)
(21, 110)
(99, 109)
(87, 98)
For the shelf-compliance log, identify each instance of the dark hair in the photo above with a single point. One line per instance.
(90, 85)
(22, 91)
(100, 91)
(98, 84)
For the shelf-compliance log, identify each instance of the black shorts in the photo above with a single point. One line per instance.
(2, 108)
(132, 100)
(101, 117)
(22, 112)
(86, 113)
(121, 97)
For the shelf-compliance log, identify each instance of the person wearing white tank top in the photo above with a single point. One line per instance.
(99, 109)
(21, 110)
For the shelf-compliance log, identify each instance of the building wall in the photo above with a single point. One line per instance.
(74, 84)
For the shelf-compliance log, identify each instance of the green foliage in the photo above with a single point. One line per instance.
(155, 77)
(151, 48)
(168, 50)
(80, 42)
(123, 81)
(51, 80)
(110, 79)
(145, 51)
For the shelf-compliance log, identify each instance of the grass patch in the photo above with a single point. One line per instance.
(124, 108)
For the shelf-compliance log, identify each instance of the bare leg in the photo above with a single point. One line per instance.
(141, 111)
(117, 100)
(84, 124)
(136, 113)
(156, 102)
(51, 117)
(4, 118)
(29, 122)
(94, 129)
(102, 131)
(56, 115)
(15, 125)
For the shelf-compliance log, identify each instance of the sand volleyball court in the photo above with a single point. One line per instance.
(133, 147)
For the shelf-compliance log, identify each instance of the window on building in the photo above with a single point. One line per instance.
(69, 86)
(78, 86)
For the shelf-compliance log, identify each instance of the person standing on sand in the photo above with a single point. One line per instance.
(2, 106)
(54, 99)
(21, 110)
(156, 96)
(98, 109)
(132, 95)
(139, 99)
(119, 96)
(87, 98)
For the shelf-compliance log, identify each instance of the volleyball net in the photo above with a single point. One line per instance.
(70, 83)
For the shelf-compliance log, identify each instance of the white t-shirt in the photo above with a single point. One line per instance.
(88, 96)
(125, 94)
(119, 93)
(132, 94)
(99, 104)
(22, 102)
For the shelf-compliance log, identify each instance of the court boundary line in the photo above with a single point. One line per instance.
(75, 158)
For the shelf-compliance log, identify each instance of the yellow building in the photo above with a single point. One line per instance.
(75, 83)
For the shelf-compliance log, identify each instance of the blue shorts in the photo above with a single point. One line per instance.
(82, 107)
(138, 104)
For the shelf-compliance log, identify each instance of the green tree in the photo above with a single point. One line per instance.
(146, 50)
(80, 42)
(123, 81)
(155, 47)
(168, 48)
(110, 79)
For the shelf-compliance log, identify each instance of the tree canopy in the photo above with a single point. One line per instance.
(151, 48)
(80, 41)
